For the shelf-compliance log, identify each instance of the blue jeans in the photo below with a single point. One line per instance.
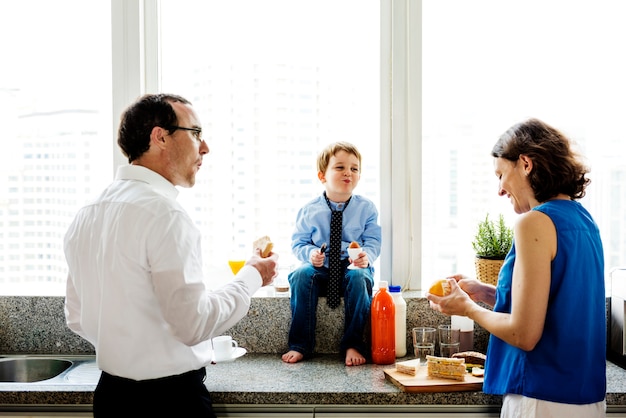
(307, 284)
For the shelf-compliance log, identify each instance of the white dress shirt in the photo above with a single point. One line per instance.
(135, 285)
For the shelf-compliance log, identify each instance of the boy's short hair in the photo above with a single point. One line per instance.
(324, 157)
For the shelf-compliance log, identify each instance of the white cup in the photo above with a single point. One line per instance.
(224, 348)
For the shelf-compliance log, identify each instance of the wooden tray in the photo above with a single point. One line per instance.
(422, 383)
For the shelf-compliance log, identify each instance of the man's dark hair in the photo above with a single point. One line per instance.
(139, 118)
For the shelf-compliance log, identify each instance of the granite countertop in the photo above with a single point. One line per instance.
(258, 381)
(263, 379)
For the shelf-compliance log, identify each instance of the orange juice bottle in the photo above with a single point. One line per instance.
(383, 326)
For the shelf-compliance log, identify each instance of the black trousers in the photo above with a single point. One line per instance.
(183, 395)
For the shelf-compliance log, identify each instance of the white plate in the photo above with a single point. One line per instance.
(239, 351)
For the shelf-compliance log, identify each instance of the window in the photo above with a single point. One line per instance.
(274, 82)
(488, 64)
(423, 88)
(55, 113)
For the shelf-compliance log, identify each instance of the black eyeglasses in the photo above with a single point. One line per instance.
(197, 132)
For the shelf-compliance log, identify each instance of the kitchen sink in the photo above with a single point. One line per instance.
(31, 369)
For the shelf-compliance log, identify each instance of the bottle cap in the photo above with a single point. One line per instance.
(382, 284)
(394, 289)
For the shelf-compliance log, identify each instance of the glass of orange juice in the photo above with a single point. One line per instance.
(236, 265)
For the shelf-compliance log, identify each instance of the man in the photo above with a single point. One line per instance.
(135, 284)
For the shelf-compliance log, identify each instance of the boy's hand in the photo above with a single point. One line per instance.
(361, 261)
(317, 257)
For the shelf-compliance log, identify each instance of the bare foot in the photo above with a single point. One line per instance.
(292, 356)
(353, 358)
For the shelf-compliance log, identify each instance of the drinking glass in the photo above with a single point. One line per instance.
(449, 340)
(424, 342)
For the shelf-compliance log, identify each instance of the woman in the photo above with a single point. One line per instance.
(546, 352)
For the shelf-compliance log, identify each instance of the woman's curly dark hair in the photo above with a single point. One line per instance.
(139, 118)
(557, 168)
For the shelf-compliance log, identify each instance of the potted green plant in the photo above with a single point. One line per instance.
(492, 242)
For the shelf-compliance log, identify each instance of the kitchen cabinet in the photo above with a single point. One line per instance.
(407, 415)
(355, 411)
(264, 411)
(403, 411)
(46, 414)
(327, 411)
(370, 411)
(267, 415)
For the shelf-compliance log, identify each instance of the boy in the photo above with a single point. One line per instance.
(339, 170)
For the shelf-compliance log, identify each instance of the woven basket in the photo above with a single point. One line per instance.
(487, 270)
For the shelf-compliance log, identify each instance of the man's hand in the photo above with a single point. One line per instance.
(267, 267)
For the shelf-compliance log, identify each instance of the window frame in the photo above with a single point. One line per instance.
(136, 71)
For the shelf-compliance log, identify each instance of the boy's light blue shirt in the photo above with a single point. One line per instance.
(360, 224)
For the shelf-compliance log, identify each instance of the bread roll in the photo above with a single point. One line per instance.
(264, 244)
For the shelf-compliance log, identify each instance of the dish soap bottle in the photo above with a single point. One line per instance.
(400, 305)
(383, 326)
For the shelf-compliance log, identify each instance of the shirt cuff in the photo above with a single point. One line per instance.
(251, 277)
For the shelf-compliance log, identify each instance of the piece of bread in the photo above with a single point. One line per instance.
(440, 288)
(446, 368)
(354, 244)
(471, 357)
(408, 367)
(478, 371)
(264, 244)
